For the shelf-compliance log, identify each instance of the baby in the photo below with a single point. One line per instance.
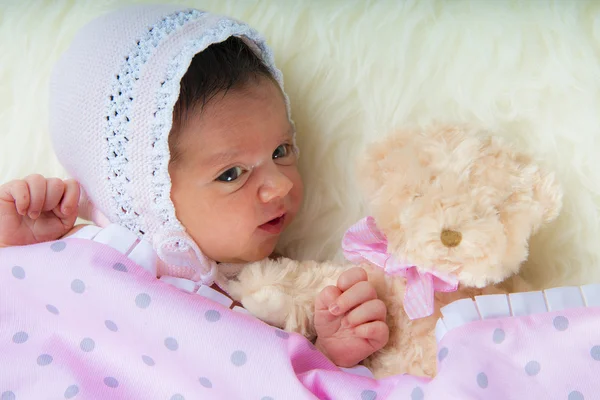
(174, 125)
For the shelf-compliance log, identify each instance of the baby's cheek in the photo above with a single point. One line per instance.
(234, 227)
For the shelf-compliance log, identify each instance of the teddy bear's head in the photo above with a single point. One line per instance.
(457, 201)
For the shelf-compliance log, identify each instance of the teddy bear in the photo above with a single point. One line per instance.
(451, 212)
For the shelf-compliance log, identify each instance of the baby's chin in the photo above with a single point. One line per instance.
(262, 252)
(258, 249)
(256, 253)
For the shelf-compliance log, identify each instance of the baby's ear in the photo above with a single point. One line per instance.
(548, 193)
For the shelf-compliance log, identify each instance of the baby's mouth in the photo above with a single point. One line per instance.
(274, 226)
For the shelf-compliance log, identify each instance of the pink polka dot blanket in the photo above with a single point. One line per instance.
(79, 319)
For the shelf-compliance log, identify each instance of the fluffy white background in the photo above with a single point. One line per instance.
(355, 70)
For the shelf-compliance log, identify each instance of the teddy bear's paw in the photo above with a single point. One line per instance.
(269, 303)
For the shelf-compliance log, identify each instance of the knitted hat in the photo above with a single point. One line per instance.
(111, 104)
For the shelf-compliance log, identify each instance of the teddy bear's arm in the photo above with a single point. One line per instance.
(282, 292)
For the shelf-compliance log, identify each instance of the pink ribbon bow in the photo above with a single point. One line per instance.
(365, 242)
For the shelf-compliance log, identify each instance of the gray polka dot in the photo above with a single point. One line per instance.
(78, 286)
(443, 353)
(482, 380)
(148, 361)
(120, 267)
(44, 359)
(110, 325)
(177, 397)
(282, 334)
(142, 300)
(368, 395)
(417, 394)
(595, 353)
(87, 345)
(8, 396)
(212, 315)
(111, 382)
(576, 395)
(561, 323)
(498, 336)
(20, 337)
(267, 398)
(171, 343)
(71, 391)
(238, 358)
(52, 309)
(205, 382)
(532, 368)
(58, 246)
(18, 272)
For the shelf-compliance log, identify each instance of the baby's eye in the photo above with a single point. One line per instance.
(282, 151)
(231, 174)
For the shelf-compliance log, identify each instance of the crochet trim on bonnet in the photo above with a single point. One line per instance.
(112, 98)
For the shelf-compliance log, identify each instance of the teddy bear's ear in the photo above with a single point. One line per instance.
(536, 192)
(378, 160)
(548, 193)
(369, 167)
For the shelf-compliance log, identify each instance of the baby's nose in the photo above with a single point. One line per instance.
(278, 185)
(451, 238)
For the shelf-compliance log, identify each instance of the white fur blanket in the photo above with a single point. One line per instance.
(355, 70)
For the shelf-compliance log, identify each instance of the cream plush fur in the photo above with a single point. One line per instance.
(450, 200)
(357, 70)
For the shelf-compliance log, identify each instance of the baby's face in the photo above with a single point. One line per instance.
(237, 185)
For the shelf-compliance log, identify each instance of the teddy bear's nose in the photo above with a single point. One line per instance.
(451, 238)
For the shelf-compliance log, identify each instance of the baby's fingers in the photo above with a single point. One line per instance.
(70, 200)
(376, 333)
(360, 293)
(16, 192)
(326, 298)
(373, 310)
(55, 188)
(37, 194)
(351, 277)
(326, 323)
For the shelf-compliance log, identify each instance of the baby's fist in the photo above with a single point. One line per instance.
(350, 319)
(37, 209)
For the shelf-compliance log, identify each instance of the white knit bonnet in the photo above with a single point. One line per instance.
(112, 95)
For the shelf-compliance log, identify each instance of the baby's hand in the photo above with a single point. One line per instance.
(350, 320)
(36, 209)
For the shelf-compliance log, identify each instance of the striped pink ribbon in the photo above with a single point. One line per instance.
(365, 242)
